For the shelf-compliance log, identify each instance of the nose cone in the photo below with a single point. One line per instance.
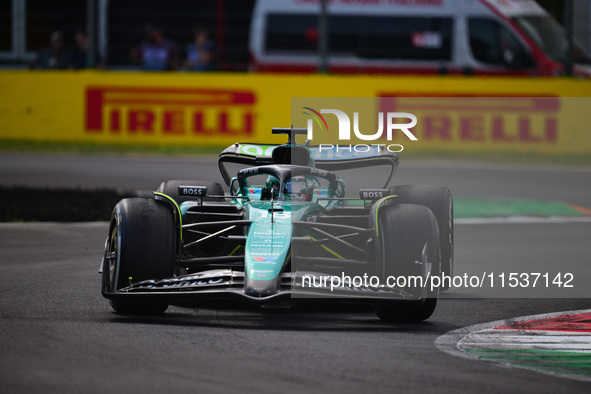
(261, 288)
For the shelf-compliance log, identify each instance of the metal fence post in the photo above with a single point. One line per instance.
(19, 30)
(323, 37)
(103, 32)
(90, 32)
(569, 26)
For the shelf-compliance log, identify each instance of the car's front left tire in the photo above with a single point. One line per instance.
(408, 246)
(440, 201)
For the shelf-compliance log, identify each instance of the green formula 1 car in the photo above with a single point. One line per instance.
(287, 232)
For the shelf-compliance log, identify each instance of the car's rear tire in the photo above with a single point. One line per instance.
(141, 246)
(171, 189)
(439, 200)
(408, 240)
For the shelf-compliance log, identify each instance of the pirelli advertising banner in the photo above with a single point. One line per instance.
(453, 114)
(457, 123)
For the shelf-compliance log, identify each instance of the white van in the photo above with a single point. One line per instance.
(474, 37)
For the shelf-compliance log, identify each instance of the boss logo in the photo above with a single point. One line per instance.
(373, 194)
(197, 191)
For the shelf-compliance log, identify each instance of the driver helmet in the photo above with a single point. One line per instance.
(272, 182)
(296, 188)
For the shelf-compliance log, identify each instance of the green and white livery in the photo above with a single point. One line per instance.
(282, 235)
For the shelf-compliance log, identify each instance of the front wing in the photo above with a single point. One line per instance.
(228, 284)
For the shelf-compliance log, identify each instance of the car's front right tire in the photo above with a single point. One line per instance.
(141, 245)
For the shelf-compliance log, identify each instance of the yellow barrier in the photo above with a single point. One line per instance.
(217, 109)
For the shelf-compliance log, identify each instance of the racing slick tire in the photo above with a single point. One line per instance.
(171, 189)
(141, 246)
(407, 313)
(409, 240)
(440, 201)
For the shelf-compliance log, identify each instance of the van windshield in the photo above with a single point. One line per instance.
(550, 36)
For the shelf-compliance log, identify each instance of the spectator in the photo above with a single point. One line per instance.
(54, 56)
(156, 53)
(199, 52)
(79, 56)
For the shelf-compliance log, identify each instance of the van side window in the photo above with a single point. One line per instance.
(365, 37)
(493, 43)
(406, 38)
(288, 33)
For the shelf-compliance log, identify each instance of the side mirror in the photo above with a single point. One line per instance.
(234, 186)
(509, 58)
(340, 189)
(517, 59)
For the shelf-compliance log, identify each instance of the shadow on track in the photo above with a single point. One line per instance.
(305, 317)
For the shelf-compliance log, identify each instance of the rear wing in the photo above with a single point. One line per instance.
(332, 158)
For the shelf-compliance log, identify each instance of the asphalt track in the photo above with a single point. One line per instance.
(133, 172)
(59, 335)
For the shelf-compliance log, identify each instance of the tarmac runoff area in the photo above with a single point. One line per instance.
(554, 343)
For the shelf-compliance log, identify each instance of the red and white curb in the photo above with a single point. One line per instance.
(555, 343)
